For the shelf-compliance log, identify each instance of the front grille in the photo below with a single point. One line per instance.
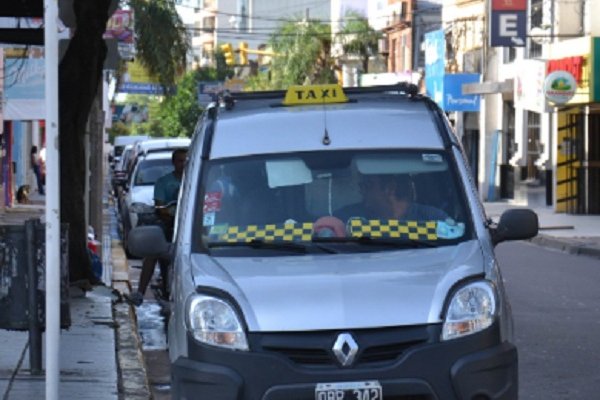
(388, 352)
(303, 356)
(314, 349)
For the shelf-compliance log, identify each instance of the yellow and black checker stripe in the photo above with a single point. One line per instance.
(413, 230)
(269, 232)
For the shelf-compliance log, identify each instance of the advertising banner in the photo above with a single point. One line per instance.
(120, 27)
(529, 86)
(435, 59)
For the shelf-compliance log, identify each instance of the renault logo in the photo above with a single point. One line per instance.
(345, 349)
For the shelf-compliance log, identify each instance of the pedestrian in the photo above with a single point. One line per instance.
(166, 190)
(36, 165)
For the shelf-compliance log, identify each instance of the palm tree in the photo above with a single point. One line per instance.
(359, 38)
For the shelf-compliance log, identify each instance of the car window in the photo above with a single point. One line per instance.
(340, 194)
(148, 171)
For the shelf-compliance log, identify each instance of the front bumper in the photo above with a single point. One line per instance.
(416, 366)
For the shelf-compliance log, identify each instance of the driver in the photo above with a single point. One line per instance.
(387, 197)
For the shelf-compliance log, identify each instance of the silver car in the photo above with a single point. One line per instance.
(330, 244)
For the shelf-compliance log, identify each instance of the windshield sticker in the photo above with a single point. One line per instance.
(375, 228)
(212, 202)
(208, 219)
(449, 229)
(432, 158)
(218, 230)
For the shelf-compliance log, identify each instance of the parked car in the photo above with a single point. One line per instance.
(139, 192)
(119, 176)
(330, 244)
(145, 146)
(119, 145)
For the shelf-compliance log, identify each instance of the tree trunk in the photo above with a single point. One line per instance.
(80, 72)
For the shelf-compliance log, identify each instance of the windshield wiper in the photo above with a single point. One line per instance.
(276, 245)
(261, 244)
(370, 241)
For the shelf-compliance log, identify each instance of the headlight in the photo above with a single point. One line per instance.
(213, 321)
(472, 309)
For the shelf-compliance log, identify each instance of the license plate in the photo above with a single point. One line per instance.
(369, 390)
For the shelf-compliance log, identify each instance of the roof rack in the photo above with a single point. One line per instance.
(227, 99)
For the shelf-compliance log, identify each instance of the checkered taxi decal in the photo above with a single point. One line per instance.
(413, 230)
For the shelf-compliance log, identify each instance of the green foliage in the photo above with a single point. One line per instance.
(222, 71)
(162, 41)
(359, 38)
(117, 129)
(178, 114)
(304, 55)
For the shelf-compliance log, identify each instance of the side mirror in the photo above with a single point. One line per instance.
(515, 224)
(148, 241)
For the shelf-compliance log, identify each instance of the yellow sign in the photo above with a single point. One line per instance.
(314, 94)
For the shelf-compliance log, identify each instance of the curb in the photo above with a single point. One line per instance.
(570, 246)
(133, 377)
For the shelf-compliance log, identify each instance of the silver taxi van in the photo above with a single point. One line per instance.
(330, 244)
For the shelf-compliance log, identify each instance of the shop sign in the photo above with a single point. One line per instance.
(595, 76)
(560, 87)
(529, 86)
(573, 65)
(454, 99)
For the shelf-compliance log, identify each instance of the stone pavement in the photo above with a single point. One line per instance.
(101, 356)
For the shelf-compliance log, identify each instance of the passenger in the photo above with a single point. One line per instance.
(166, 190)
(389, 197)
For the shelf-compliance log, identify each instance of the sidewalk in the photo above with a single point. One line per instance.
(100, 353)
(101, 356)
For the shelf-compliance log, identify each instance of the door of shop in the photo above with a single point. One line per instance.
(578, 164)
(569, 179)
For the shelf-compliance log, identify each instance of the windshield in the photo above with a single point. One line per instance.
(337, 197)
(148, 171)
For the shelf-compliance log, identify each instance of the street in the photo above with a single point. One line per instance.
(556, 309)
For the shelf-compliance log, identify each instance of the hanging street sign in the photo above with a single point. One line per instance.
(508, 23)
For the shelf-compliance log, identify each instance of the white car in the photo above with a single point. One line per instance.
(140, 188)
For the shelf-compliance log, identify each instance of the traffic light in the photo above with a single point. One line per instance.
(243, 53)
(228, 53)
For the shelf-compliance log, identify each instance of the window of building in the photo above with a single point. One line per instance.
(534, 50)
(509, 55)
(533, 144)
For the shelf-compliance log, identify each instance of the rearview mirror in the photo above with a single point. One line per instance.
(515, 224)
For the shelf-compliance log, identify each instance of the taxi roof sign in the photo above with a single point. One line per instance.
(314, 94)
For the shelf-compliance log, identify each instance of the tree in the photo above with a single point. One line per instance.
(303, 51)
(161, 39)
(80, 74)
(359, 38)
(179, 113)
